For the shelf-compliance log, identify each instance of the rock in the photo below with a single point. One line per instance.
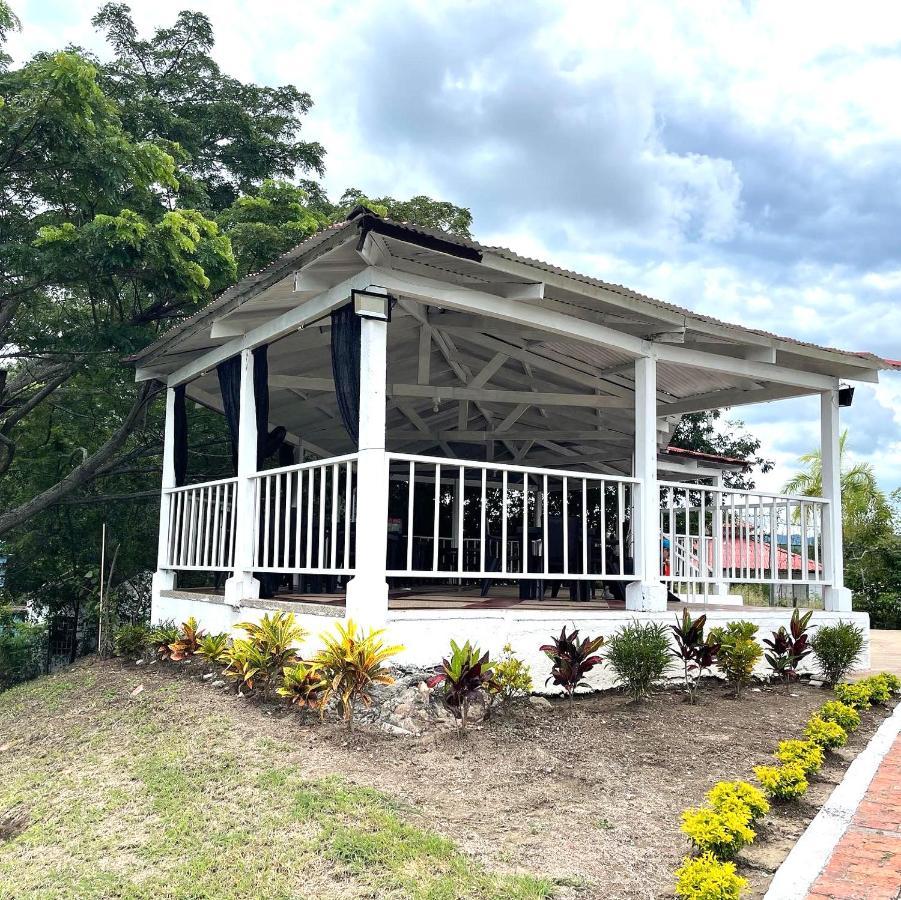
(140, 662)
(218, 683)
(209, 676)
(137, 690)
(539, 702)
(424, 689)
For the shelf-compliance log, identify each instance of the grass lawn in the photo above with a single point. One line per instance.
(108, 795)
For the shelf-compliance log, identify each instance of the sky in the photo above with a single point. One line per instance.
(740, 159)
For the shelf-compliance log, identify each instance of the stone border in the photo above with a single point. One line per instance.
(809, 856)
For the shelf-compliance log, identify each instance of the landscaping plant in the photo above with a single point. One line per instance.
(786, 782)
(840, 713)
(131, 640)
(465, 674)
(188, 641)
(837, 648)
(727, 796)
(303, 685)
(805, 754)
(162, 636)
(571, 659)
(248, 664)
(212, 647)
(704, 877)
(639, 655)
(828, 735)
(512, 677)
(694, 650)
(276, 635)
(351, 663)
(857, 696)
(880, 688)
(789, 647)
(721, 833)
(738, 652)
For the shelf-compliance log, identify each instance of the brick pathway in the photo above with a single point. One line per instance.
(866, 864)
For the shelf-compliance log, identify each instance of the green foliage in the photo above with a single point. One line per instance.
(639, 655)
(420, 210)
(837, 648)
(840, 713)
(571, 659)
(276, 635)
(720, 832)
(212, 647)
(728, 796)
(892, 682)
(884, 608)
(857, 696)
(786, 782)
(303, 685)
(131, 640)
(828, 735)
(706, 878)
(249, 665)
(162, 636)
(23, 647)
(789, 647)
(512, 677)
(696, 652)
(805, 754)
(465, 674)
(738, 652)
(188, 640)
(351, 663)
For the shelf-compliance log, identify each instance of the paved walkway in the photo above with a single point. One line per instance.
(885, 651)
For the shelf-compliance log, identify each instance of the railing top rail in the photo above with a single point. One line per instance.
(311, 464)
(199, 484)
(741, 491)
(507, 467)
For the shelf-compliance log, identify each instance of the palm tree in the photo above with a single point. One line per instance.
(865, 508)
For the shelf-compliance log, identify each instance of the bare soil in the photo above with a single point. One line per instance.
(589, 795)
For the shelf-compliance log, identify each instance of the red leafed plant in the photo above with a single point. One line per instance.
(188, 641)
(788, 648)
(464, 675)
(695, 651)
(572, 659)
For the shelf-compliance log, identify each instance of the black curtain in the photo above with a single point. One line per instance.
(229, 373)
(267, 441)
(346, 368)
(180, 437)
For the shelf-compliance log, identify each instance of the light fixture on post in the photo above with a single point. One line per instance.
(372, 304)
(845, 395)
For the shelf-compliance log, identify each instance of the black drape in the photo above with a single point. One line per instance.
(229, 373)
(267, 441)
(346, 368)
(180, 437)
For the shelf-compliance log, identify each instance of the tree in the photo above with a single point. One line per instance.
(700, 432)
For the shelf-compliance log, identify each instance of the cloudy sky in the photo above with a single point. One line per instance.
(741, 159)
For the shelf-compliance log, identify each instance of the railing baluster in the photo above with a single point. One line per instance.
(525, 523)
(348, 495)
(410, 509)
(309, 535)
(603, 514)
(584, 526)
(565, 526)
(436, 524)
(544, 535)
(504, 522)
(321, 553)
(482, 517)
(277, 527)
(461, 493)
(621, 524)
(333, 537)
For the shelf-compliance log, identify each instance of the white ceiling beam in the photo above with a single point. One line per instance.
(731, 397)
(514, 416)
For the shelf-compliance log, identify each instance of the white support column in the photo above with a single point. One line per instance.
(367, 591)
(836, 596)
(719, 588)
(164, 578)
(646, 593)
(242, 585)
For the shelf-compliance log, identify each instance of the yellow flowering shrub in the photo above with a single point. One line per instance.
(706, 878)
(738, 795)
(827, 735)
(808, 755)
(854, 695)
(840, 713)
(782, 782)
(721, 833)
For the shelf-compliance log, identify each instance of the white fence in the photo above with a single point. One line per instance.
(487, 520)
(711, 534)
(202, 526)
(303, 519)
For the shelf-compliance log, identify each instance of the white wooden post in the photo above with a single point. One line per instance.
(646, 593)
(242, 585)
(836, 596)
(720, 588)
(367, 591)
(164, 578)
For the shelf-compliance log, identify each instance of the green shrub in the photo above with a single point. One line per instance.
(789, 647)
(739, 652)
(738, 795)
(841, 714)
(23, 650)
(189, 637)
(465, 673)
(721, 833)
(884, 610)
(131, 640)
(303, 685)
(251, 666)
(512, 677)
(706, 878)
(892, 682)
(571, 659)
(828, 735)
(782, 782)
(880, 692)
(212, 647)
(856, 695)
(161, 636)
(695, 651)
(837, 648)
(639, 655)
(805, 754)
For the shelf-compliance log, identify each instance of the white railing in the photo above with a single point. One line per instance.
(303, 517)
(202, 526)
(485, 520)
(712, 534)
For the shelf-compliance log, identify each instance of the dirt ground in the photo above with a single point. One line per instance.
(590, 797)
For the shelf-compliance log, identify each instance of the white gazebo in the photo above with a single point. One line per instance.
(466, 431)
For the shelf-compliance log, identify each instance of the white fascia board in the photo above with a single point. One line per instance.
(270, 331)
